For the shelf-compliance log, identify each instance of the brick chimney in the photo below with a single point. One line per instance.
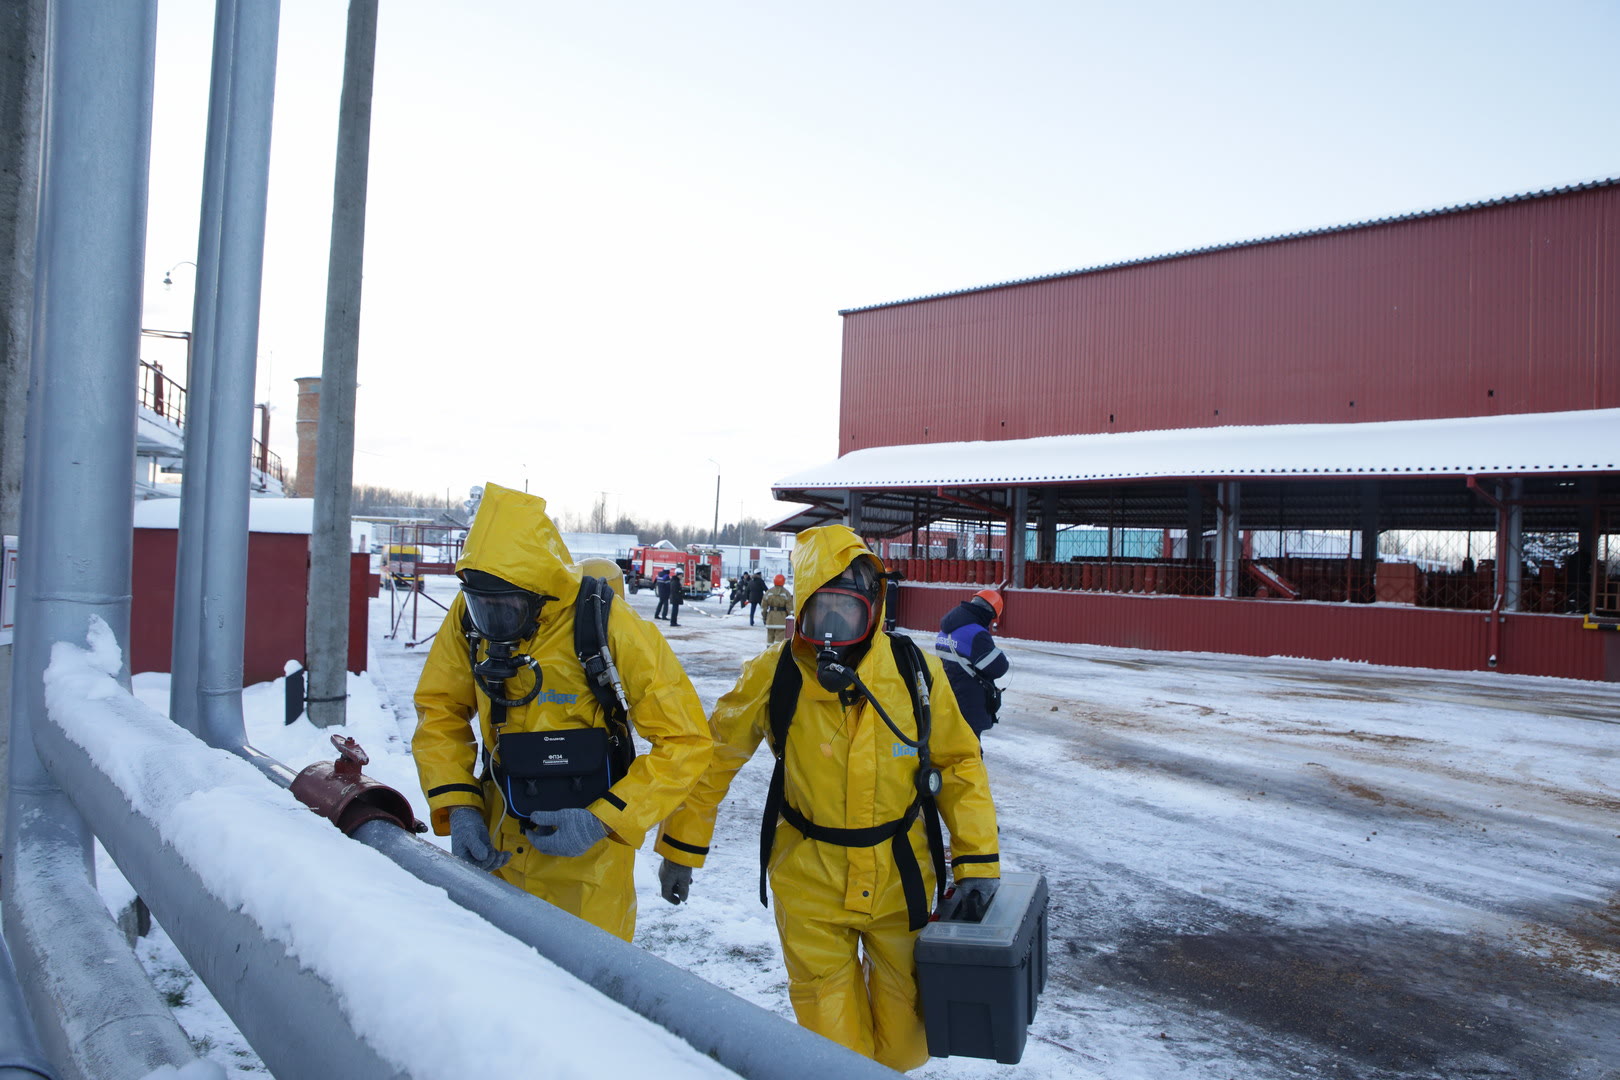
(309, 418)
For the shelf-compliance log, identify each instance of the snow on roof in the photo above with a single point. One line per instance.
(1562, 442)
(1393, 219)
(581, 544)
(295, 516)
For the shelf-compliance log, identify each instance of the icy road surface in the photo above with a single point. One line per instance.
(1258, 868)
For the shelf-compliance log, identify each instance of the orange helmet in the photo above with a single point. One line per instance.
(779, 580)
(991, 597)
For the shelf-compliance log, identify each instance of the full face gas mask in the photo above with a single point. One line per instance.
(839, 617)
(503, 616)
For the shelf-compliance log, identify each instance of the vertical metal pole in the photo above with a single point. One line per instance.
(1511, 559)
(224, 556)
(97, 1012)
(184, 708)
(22, 91)
(326, 634)
(1017, 523)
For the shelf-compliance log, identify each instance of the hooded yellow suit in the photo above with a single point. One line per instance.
(845, 769)
(513, 539)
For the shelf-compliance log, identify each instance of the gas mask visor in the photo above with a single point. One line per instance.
(843, 611)
(499, 610)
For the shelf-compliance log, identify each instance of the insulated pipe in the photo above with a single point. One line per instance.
(190, 544)
(20, 1055)
(97, 1013)
(222, 632)
(293, 1018)
(750, 1041)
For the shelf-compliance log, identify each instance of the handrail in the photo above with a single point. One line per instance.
(161, 394)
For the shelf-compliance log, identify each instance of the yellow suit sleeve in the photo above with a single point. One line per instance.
(667, 713)
(964, 796)
(444, 745)
(738, 725)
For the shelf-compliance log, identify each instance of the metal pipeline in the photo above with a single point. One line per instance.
(236, 336)
(184, 708)
(750, 1041)
(96, 1012)
(20, 1053)
(266, 991)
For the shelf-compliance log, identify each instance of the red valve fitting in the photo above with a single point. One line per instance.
(340, 792)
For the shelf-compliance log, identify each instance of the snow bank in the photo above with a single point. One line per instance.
(450, 978)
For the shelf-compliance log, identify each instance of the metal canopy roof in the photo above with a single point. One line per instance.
(1587, 441)
(1298, 475)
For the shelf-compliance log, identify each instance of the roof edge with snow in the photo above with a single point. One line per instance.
(1517, 443)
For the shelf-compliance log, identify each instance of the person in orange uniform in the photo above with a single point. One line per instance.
(850, 866)
(511, 632)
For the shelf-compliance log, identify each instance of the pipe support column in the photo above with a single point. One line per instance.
(97, 1014)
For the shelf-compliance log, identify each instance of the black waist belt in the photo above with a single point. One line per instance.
(898, 832)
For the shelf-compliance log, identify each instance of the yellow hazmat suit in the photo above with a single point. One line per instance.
(845, 769)
(513, 539)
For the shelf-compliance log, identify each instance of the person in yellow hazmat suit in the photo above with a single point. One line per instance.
(852, 867)
(555, 802)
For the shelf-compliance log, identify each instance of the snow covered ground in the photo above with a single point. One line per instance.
(1258, 868)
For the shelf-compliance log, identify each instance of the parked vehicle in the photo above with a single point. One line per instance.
(699, 567)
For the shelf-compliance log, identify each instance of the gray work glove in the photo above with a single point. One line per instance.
(974, 895)
(469, 839)
(674, 881)
(564, 832)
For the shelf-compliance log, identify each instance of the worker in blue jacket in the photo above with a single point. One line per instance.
(973, 661)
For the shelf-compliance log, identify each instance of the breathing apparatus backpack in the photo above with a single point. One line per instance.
(783, 702)
(578, 754)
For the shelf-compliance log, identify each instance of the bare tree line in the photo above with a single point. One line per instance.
(372, 500)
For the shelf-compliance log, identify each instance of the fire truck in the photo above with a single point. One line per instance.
(699, 567)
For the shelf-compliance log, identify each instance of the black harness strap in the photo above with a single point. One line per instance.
(591, 611)
(783, 702)
(784, 699)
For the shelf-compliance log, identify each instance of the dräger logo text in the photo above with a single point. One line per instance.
(552, 697)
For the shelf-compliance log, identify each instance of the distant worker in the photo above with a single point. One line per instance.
(661, 587)
(508, 653)
(755, 593)
(866, 764)
(973, 661)
(677, 597)
(777, 603)
(739, 592)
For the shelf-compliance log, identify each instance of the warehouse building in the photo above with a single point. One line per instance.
(1396, 441)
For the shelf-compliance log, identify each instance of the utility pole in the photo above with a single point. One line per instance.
(326, 637)
(715, 532)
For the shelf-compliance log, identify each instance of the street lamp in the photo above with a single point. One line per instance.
(716, 531)
(167, 279)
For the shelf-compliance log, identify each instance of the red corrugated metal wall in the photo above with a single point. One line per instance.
(1505, 309)
(1406, 637)
(278, 588)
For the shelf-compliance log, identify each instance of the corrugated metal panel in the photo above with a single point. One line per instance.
(1509, 309)
(1402, 637)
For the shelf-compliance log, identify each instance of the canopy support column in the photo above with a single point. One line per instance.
(1228, 538)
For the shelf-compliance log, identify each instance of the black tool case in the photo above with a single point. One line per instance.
(979, 981)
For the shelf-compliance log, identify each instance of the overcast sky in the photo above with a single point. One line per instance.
(608, 242)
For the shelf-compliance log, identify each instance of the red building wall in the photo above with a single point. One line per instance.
(1406, 637)
(278, 587)
(1503, 309)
